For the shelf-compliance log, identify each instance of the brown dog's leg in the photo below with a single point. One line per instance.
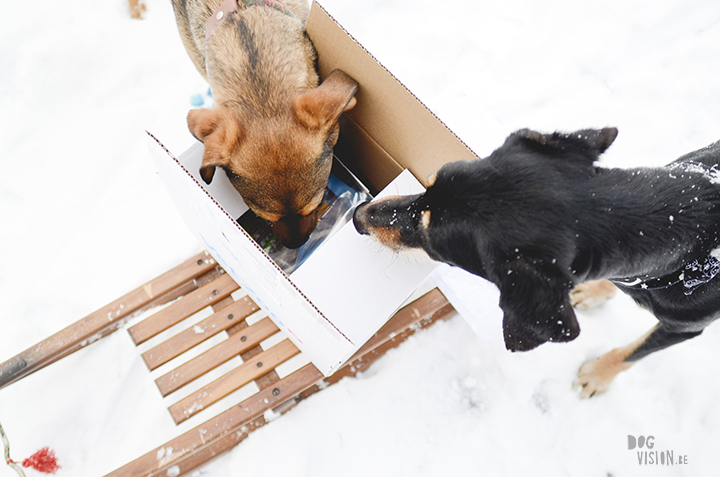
(596, 376)
(592, 294)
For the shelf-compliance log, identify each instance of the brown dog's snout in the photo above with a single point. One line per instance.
(359, 219)
(294, 230)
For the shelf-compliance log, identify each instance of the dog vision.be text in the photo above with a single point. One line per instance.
(654, 457)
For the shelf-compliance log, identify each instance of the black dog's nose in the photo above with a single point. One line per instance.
(358, 219)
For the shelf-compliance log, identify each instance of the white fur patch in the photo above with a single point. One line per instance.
(415, 254)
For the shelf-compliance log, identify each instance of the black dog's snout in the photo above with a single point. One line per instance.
(358, 220)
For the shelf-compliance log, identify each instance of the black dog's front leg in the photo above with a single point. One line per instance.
(535, 300)
(660, 337)
(596, 376)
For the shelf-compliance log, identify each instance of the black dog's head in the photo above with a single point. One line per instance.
(501, 218)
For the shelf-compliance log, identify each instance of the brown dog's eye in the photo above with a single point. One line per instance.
(325, 156)
(333, 136)
(232, 176)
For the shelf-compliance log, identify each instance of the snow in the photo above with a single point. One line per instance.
(85, 219)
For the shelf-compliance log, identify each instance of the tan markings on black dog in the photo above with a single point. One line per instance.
(388, 237)
(425, 219)
(586, 296)
(137, 9)
(274, 126)
(431, 179)
(596, 376)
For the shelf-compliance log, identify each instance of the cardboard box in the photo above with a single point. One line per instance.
(350, 286)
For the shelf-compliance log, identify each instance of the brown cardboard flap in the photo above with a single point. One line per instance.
(400, 125)
(365, 157)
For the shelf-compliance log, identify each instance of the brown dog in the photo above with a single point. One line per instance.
(273, 127)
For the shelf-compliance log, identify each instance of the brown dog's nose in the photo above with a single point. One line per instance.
(294, 230)
(358, 219)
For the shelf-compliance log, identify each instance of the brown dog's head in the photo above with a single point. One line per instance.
(280, 165)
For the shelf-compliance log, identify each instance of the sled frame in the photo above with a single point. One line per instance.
(196, 284)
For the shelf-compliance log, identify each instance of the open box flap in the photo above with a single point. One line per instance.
(387, 117)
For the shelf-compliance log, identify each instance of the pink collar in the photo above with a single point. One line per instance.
(229, 6)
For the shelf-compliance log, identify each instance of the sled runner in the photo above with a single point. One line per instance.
(185, 290)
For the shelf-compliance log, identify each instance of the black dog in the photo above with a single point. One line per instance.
(538, 216)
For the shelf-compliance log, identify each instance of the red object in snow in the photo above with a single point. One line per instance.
(43, 460)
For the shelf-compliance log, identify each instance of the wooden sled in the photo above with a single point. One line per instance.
(192, 286)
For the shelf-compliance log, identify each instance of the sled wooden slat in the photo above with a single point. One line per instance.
(233, 346)
(105, 320)
(202, 455)
(178, 311)
(412, 314)
(233, 380)
(220, 321)
(221, 425)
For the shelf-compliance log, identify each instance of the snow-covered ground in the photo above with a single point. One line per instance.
(84, 219)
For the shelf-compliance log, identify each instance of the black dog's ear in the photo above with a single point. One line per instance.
(536, 305)
(534, 136)
(597, 140)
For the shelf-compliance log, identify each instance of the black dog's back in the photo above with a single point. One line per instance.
(708, 156)
(649, 221)
(545, 196)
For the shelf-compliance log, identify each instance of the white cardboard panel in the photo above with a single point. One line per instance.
(380, 279)
(472, 297)
(335, 301)
(248, 265)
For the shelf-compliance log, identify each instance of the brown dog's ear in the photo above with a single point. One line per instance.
(320, 108)
(220, 132)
